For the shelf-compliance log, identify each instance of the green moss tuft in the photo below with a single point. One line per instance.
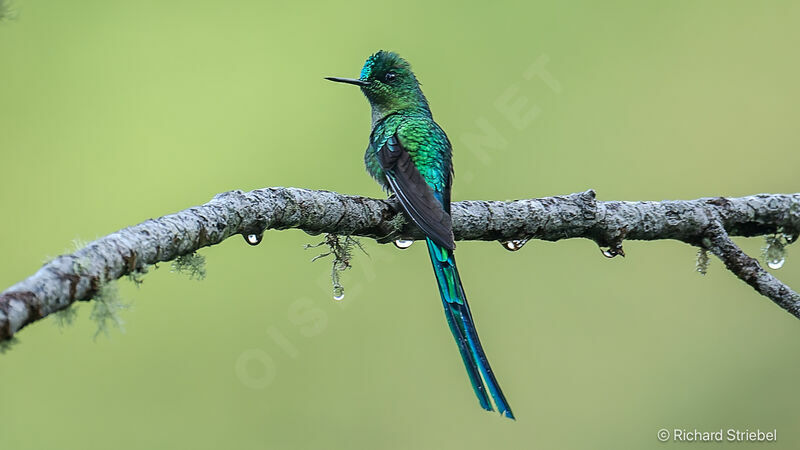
(7, 344)
(106, 306)
(193, 265)
(66, 316)
(701, 265)
(342, 251)
(137, 276)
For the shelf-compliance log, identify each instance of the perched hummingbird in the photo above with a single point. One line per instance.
(410, 156)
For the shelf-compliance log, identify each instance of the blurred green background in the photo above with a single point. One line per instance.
(113, 112)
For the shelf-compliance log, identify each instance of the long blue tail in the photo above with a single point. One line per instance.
(459, 318)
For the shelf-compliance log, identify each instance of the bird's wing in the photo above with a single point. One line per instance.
(414, 193)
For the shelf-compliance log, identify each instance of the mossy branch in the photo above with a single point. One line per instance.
(706, 223)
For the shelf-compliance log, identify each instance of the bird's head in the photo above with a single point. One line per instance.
(388, 83)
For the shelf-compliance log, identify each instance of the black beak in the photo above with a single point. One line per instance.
(348, 81)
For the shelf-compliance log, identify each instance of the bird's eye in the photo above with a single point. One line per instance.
(389, 76)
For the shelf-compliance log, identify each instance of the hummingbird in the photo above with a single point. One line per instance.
(410, 156)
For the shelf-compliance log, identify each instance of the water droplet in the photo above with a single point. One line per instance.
(338, 293)
(776, 263)
(254, 239)
(403, 243)
(514, 244)
(774, 252)
(612, 252)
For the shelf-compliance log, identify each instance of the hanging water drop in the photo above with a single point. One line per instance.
(514, 244)
(774, 251)
(338, 293)
(253, 238)
(403, 244)
(776, 263)
(612, 252)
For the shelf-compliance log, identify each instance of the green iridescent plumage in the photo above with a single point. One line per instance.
(410, 156)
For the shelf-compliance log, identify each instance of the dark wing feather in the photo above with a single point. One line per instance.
(414, 193)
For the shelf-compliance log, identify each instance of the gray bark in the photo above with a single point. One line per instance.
(706, 223)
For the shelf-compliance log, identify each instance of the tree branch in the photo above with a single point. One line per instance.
(749, 271)
(79, 275)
